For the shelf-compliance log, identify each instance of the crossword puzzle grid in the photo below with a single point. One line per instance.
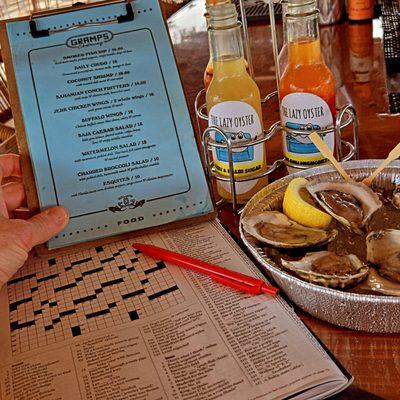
(68, 296)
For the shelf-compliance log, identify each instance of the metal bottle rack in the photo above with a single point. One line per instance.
(345, 116)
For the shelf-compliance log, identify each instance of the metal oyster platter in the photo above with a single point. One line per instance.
(365, 312)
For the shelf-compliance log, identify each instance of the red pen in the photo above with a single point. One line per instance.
(225, 276)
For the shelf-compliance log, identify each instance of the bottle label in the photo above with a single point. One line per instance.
(360, 9)
(242, 124)
(305, 112)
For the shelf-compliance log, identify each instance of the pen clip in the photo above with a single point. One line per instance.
(242, 286)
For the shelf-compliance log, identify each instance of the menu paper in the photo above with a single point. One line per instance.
(112, 323)
(107, 125)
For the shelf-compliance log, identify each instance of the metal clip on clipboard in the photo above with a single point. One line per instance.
(129, 16)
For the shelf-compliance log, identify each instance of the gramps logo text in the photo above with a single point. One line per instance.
(91, 39)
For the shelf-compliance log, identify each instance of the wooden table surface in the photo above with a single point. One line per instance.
(373, 359)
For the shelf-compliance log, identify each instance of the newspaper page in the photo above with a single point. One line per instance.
(111, 323)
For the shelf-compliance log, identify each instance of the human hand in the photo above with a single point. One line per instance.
(17, 237)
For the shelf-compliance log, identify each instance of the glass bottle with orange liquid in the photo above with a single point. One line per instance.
(360, 9)
(234, 105)
(307, 89)
(361, 57)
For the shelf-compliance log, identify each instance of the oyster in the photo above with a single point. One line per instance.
(278, 230)
(377, 283)
(396, 197)
(383, 249)
(351, 203)
(328, 269)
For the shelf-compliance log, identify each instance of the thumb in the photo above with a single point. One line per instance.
(42, 227)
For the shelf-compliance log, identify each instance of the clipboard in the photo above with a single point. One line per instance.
(102, 122)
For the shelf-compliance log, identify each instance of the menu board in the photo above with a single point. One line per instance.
(105, 119)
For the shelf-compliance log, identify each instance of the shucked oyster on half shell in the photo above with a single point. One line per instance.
(382, 285)
(396, 197)
(351, 203)
(328, 269)
(276, 229)
(383, 250)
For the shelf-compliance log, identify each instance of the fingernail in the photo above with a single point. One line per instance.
(58, 214)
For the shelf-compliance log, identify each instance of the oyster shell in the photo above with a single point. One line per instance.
(383, 249)
(278, 230)
(396, 197)
(351, 203)
(377, 283)
(328, 269)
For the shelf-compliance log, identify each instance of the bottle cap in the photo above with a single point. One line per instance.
(223, 16)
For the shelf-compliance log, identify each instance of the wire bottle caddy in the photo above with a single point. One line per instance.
(345, 150)
(345, 117)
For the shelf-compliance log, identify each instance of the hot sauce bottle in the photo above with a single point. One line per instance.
(234, 105)
(361, 57)
(307, 89)
(209, 71)
(360, 9)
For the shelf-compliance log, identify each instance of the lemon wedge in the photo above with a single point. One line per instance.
(299, 210)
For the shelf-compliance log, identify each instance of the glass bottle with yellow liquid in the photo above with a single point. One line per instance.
(307, 88)
(234, 105)
(209, 71)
